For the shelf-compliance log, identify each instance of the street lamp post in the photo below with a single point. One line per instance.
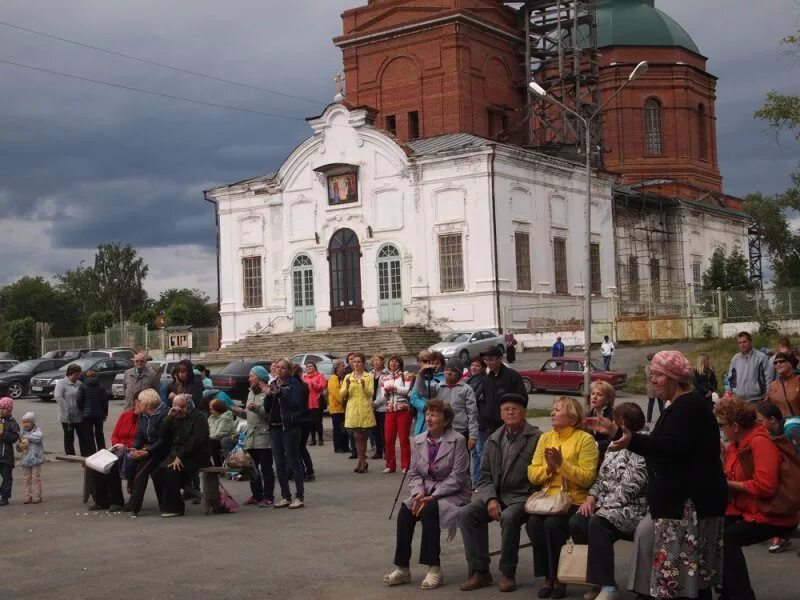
(587, 279)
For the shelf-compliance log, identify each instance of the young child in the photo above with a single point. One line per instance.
(32, 449)
(9, 434)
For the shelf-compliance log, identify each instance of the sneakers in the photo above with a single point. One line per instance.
(170, 515)
(3, 501)
(251, 501)
(476, 581)
(265, 502)
(282, 503)
(297, 503)
(608, 595)
(778, 545)
(397, 577)
(433, 579)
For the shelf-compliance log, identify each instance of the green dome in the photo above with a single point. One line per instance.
(638, 23)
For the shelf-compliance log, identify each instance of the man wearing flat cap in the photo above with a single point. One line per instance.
(503, 488)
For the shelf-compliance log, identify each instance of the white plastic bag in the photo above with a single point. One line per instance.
(102, 461)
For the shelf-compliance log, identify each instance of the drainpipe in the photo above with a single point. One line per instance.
(494, 242)
(219, 285)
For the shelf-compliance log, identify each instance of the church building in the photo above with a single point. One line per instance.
(406, 205)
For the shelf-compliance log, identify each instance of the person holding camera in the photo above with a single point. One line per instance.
(458, 395)
(429, 377)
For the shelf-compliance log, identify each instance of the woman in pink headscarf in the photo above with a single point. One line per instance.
(679, 545)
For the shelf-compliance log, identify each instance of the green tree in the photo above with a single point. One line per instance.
(194, 310)
(22, 338)
(781, 243)
(178, 314)
(727, 272)
(99, 320)
(145, 316)
(119, 275)
(41, 301)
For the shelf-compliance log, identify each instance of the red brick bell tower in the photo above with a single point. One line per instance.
(433, 67)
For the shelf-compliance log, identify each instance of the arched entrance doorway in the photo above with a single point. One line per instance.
(303, 293)
(344, 259)
(390, 292)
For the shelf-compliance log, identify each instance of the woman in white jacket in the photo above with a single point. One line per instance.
(396, 386)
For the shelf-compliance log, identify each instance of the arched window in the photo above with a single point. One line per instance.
(701, 131)
(652, 127)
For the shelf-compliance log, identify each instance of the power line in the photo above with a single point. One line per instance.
(150, 92)
(162, 65)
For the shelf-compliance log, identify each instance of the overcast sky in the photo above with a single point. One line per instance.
(82, 163)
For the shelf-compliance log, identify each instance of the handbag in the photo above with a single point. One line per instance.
(540, 503)
(239, 459)
(101, 461)
(572, 563)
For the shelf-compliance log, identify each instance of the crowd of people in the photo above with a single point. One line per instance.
(715, 473)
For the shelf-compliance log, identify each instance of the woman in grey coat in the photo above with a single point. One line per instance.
(256, 440)
(70, 416)
(439, 482)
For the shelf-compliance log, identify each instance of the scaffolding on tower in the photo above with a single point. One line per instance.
(561, 54)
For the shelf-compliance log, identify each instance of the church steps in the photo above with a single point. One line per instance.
(405, 341)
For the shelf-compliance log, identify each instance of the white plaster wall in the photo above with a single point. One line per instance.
(704, 232)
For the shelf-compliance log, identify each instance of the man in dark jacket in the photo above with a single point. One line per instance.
(503, 489)
(184, 434)
(92, 401)
(500, 380)
(9, 435)
(184, 382)
(305, 425)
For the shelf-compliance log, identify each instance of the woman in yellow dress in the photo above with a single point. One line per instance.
(356, 394)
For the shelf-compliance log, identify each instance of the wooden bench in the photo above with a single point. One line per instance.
(87, 484)
(210, 488)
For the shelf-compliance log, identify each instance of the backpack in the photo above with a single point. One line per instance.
(786, 500)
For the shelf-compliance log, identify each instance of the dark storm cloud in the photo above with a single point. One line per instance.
(82, 164)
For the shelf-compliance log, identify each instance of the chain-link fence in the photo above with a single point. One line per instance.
(133, 335)
(760, 305)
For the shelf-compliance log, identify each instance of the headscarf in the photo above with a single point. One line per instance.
(7, 403)
(672, 364)
(260, 372)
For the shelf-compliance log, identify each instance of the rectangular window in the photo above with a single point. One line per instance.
(652, 128)
(560, 265)
(522, 251)
(697, 279)
(633, 279)
(251, 281)
(413, 125)
(451, 263)
(655, 280)
(597, 288)
(391, 124)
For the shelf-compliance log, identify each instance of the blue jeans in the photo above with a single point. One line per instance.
(286, 452)
(607, 362)
(477, 455)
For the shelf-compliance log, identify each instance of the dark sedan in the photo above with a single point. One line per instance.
(566, 375)
(233, 378)
(16, 380)
(44, 384)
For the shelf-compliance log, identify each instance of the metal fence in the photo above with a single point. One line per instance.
(133, 335)
(760, 305)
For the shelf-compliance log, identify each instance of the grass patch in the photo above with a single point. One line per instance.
(637, 382)
(534, 413)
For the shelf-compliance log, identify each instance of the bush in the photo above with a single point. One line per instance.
(22, 338)
(98, 321)
(708, 331)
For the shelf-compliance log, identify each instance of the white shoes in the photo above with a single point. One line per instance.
(615, 595)
(282, 503)
(397, 577)
(297, 503)
(433, 579)
(388, 470)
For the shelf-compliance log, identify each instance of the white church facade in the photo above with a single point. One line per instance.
(450, 232)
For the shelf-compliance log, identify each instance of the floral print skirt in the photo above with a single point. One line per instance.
(687, 555)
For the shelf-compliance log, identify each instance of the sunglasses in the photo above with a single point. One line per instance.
(780, 361)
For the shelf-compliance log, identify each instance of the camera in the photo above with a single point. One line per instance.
(427, 374)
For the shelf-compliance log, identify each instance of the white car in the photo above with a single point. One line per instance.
(116, 386)
(466, 345)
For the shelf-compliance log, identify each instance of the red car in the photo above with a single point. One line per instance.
(566, 375)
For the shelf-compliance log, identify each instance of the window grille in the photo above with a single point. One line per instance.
(597, 287)
(522, 251)
(652, 127)
(451, 263)
(252, 283)
(560, 264)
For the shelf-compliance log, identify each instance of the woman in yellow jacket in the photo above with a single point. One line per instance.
(336, 408)
(565, 454)
(356, 393)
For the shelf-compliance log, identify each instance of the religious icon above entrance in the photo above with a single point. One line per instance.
(343, 188)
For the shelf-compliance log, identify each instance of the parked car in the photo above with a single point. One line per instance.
(44, 384)
(5, 365)
(468, 344)
(67, 354)
(232, 379)
(165, 366)
(16, 381)
(112, 353)
(7, 356)
(323, 360)
(117, 386)
(566, 375)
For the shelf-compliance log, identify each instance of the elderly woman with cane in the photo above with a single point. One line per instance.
(686, 491)
(439, 482)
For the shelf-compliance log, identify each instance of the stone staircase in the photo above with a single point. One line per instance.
(405, 341)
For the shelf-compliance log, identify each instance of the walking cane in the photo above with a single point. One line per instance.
(400, 489)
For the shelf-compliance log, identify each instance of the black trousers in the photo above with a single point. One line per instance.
(144, 469)
(650, 404)
(92, 432)
(7, 474)
(739, 533)
(548, 535)
(107, 489)
(430, 547)
(600, 535)
(378, 432)
(511, 354)
(305, 457)
(341, 442)
(171, 482)
(262, 483)
(70, 431)
(316, 424)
